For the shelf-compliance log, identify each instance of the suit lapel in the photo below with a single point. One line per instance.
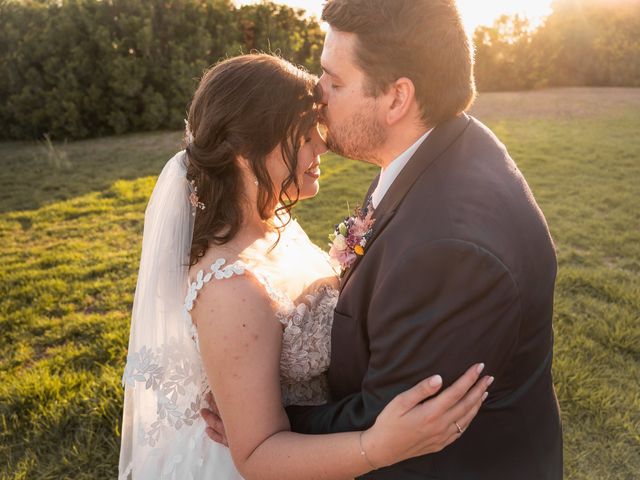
(372, 188)
(438, 141)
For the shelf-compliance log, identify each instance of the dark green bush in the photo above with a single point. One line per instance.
(85, 68)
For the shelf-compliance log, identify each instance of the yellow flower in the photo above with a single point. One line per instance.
(359, 250)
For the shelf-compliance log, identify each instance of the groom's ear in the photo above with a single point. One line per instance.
(401, 96)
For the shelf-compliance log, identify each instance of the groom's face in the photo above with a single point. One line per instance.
(355, 127)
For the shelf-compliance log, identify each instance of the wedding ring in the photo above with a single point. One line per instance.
(460, 430)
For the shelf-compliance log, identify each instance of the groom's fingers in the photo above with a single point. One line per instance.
(214, 409)
(212, 404)
(215, 427)
(216, 437)
(209, 417)
(458, 390)
(213, 421)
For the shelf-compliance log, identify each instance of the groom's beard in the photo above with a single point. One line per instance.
(359, 138)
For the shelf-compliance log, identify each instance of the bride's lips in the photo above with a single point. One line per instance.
(313, 171)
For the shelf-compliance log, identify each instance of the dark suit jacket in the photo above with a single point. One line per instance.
(460, 269)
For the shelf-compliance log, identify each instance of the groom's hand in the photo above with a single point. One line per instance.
(215, 427)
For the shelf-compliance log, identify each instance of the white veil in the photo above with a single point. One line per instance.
(163, 435)
(163, 377)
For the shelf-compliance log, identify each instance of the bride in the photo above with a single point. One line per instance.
(233, 300)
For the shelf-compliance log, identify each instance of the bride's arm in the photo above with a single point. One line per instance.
(240, 341)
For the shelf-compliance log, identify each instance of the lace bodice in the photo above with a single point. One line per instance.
(306, 335)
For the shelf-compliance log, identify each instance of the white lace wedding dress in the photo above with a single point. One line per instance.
(302, 284)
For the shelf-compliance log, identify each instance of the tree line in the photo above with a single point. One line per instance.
(80, 68)
(582, 43)
(85, 68)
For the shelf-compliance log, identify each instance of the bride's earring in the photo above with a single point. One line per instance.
(255, 181)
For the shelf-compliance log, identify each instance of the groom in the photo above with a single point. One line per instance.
(460, 268)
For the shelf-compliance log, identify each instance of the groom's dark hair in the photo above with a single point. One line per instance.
(423, 40)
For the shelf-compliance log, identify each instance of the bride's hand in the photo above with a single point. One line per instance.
(409, 426)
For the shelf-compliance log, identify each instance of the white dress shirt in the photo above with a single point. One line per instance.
(389, 174)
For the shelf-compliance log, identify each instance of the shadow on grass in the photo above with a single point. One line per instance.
(34, 174)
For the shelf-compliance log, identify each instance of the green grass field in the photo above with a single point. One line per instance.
(70, 229)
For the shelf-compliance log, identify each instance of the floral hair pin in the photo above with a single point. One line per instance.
(194, 199)
(350, 237)
(188, 134)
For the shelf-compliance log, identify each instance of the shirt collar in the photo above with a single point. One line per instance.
(389, 174)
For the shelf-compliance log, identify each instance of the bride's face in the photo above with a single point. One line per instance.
(308, 171)
(309, 163)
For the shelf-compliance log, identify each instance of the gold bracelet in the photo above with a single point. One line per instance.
(364, 454)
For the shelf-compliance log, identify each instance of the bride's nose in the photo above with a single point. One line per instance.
(320, 145)
(319, 93)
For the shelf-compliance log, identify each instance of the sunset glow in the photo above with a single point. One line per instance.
(474, 12)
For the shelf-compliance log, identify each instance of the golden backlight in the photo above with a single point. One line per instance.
(474, 12)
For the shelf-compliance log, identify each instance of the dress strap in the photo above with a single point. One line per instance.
(217, 271)
(284, 305)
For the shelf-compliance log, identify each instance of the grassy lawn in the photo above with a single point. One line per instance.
(70, 228)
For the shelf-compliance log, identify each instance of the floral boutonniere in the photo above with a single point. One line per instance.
(350, 237)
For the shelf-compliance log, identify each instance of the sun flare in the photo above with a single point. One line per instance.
(474, 12)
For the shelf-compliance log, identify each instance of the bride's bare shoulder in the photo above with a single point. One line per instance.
(223, 289)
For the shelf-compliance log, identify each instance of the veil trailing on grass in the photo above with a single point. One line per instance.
(163, 377)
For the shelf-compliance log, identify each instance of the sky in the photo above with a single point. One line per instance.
(474, 12)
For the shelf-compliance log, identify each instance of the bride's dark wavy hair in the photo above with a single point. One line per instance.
(247, 105)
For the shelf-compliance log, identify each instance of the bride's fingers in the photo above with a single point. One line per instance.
(466, 420)
(453, 433)
(463, 422)
(470, 400)
(449, 397)
(408, 399)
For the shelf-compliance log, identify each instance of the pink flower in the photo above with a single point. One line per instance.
(360, 227)
(194, 199)
(344, 257)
